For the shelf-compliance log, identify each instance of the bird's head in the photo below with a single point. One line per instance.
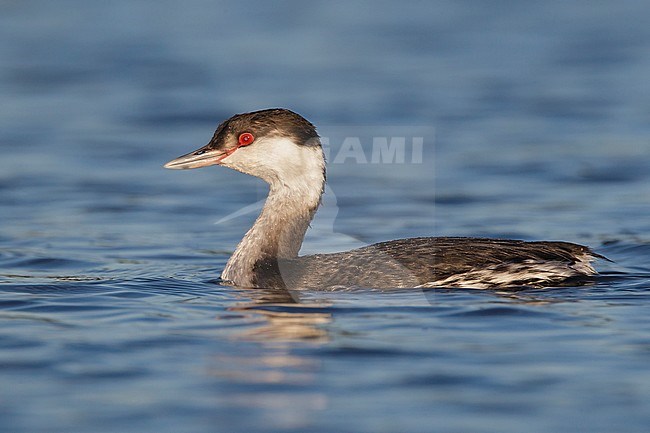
(276, 145)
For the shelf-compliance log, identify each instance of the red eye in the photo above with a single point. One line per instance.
(246, 138)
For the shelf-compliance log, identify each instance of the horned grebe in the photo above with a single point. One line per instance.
(283, 148)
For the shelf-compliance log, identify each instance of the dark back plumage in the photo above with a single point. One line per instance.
(434, 262)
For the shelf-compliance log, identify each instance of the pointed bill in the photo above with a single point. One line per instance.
(202, 157)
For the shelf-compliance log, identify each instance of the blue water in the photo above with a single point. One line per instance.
(112, 319)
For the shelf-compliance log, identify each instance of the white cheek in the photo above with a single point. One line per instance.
(278, 160)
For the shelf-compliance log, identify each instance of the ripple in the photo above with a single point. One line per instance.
(41, 264)
(371, 352)
(499, 312)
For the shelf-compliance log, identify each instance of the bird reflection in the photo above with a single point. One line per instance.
(283, 316)
(279, 321)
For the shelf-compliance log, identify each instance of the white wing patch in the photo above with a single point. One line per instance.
(526, 273)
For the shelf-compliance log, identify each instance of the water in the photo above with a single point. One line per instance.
(535, 119)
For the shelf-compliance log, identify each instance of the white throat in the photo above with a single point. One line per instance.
(296, 176)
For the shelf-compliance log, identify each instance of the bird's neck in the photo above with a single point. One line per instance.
(279, 230)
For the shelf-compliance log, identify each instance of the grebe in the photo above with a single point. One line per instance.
(282, 148)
